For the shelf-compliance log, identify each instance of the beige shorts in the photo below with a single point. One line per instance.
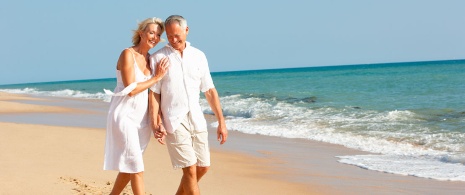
(187, 146)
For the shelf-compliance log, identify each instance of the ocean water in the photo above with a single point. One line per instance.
(409, 116)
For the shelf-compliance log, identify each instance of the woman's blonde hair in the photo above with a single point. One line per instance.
(143, 25)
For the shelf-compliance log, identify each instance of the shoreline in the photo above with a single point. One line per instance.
(56, 158)
(246, 164)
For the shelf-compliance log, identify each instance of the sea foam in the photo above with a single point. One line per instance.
(60, 93)
(396, 135)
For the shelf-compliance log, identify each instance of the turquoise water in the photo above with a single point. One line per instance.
(411, 116)
(381, 87)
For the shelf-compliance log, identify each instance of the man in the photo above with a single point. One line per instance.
(178, 94)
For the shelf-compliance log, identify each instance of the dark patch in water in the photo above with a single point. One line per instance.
(309, 99)
(299, 100)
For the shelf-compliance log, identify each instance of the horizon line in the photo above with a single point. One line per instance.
(231, 71)
(364, 64)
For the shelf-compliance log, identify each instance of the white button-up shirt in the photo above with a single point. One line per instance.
(180, 87)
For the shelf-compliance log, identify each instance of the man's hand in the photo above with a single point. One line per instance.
(222, 133)
(214, 101)
(159, 133)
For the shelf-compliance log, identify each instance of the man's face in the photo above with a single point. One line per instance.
(177, 35)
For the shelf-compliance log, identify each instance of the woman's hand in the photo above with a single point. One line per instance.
(160, 133)
(162, 67)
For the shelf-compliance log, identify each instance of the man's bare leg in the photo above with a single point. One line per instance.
(201, 171)
(189, 181)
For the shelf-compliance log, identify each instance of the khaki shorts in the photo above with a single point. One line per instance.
(188, 147)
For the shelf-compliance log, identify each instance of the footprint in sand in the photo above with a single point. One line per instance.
(88, 188)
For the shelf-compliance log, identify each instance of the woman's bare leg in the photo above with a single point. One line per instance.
(121, 181)
(137, 183)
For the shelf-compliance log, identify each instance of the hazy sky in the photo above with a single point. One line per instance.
(70, 40)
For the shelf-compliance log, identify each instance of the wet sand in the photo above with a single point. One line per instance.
(55, 146)
(55, 158)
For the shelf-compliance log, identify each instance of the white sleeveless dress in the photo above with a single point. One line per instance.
(128, 131)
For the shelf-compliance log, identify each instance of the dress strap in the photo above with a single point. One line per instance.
(133, 56)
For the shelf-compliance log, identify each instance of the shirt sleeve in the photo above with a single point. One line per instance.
(206, 81)
(153, 63)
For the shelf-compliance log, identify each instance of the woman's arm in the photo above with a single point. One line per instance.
(126, 66)
(155, 113)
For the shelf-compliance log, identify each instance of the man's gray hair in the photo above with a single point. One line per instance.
(178, 19)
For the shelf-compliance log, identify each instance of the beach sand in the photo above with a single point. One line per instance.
(46, 159)
(55, 146)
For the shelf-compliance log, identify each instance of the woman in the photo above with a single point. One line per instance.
(128, 129)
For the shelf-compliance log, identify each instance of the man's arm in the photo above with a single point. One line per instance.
(214, 101)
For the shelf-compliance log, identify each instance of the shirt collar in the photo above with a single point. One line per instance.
(188, 44)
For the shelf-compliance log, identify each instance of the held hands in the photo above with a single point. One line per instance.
(159, 132)
(162, 67)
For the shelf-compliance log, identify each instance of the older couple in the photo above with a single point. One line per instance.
(175, 75)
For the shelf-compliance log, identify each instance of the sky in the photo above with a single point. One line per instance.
(53, 40)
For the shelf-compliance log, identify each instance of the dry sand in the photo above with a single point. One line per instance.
(44, 159)
(42, 156)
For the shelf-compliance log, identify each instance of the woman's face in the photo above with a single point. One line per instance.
(151, 35)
